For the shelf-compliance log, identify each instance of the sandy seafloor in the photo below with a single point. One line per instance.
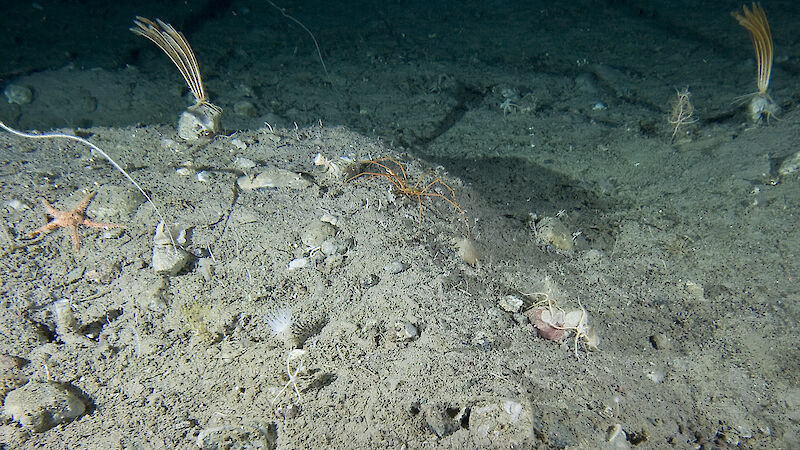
(683, 252)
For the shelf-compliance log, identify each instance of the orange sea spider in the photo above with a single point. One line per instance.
(394, 172)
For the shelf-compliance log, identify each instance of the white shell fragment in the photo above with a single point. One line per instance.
(298, 263)
(41, 405)
(169, 260)
(273, 177)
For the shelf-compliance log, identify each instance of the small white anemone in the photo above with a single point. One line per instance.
(280, 322)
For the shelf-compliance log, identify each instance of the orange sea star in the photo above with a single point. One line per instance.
(71, 219)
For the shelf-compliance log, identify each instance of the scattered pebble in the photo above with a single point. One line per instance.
(298, 263)
(333, 247)
(274, 178)
(500, 420)
(204, 176)
(316, 233)
(15, 93)
(550, 231)
(369, 281)
(239, 144)
(205, 266)
(406, 331)
(329, 218)
(10, 362)
(660, 341)
(510, 303)
(243, 163)
(169, 260)
(656, 376)
(468, 251)
(790, 165)
(41, 405)
(16, 204)
(395, 267)
(439, 421)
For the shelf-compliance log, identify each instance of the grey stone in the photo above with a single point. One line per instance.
(41, 405)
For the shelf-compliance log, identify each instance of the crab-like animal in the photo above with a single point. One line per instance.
(554, 323)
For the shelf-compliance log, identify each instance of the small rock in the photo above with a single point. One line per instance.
(243, 163)
(41, 405)
(660, 341)
(329, 218)
(245, 108)
(199, 122)
(315, 234)
(274, 178)
(332, 247)
(790, 165)
(239, 144)
(287, 412)
(550, 231)
(510, 303)
(395, 267)
(333, 261)
(10, 362)
(205, 266)
(468, 251)
(406, 331)
(15, 93)
(204, 176)
(243, 436)
(298, 263)
(438, 421)
(370, 280)
(169, 260)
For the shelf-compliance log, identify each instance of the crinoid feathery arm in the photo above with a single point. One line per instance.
(201, 119)
(174, 44)
(755, 22)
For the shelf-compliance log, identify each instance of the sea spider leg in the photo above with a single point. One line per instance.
(416, 191)
(396, 175)
(292, 379)
(579, 329)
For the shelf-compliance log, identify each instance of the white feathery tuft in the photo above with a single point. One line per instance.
(280, 321)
